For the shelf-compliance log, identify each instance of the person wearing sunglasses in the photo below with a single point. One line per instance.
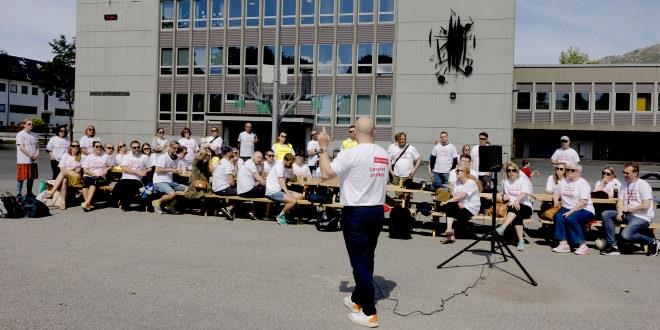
(109, 150)
(465, 201)
(559, 172)
(95, 167)
(565, 154)
(27, 152)
(191, 146)
(269, 162)
(87, 141)
(122, 151)
(515, 192)
(148, 151)
(70, 170)
(166, 165)
(608, 182)
(159, 142)
(281, 147)
(246, 141)
(573, 195)
(134, 167)
(57, 146)
(351, 141)
(463, 159)
(213, 141)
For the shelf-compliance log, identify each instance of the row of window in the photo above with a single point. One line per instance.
(211, 60)
(344, 108)
(13, 88)
(201, 14)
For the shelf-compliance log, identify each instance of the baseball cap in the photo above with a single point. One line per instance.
(564, 138)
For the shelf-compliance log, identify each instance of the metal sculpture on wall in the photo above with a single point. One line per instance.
(453, 48)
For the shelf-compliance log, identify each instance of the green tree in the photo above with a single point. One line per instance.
(573, 55)
(57, 77)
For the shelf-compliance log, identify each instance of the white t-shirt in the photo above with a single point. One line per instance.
(141, 162)
(96, 164)
(220, 180)
(363, 171)
(313, 159)
(565, 156)
(247, 143)
(301, 171)
(87, 143)
(245, 176)
(444, 157)
(513, 189)
(119, 157)
(550, 185)
(272, 181)
(474, 154)
(452, 177)
(191, 146)
(633, 194)
(472, 200)
(29, 142)
(573, 191)
(57, 147)
(404, 167)
(609, 187)
(215, 145)
(267, 166)
(165, 161)
(152, 159)
(69, 162)
(159, 145)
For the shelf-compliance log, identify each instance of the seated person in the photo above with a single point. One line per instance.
(134, 166)
(166, 165)
(300, 169)
(515, 193)
(223, 180)
(277, 190)
(608, 182)
(576, 210)
(250, 182)
(465, 202)
(200, 175)
(69, 166)
(95, 167)
(464, 159)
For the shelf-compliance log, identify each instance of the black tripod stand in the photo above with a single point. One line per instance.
(494, 237)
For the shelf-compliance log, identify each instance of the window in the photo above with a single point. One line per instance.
(326, 12)
(251, 59)
(23, 109)
(622, 102)
(288, 58)
(385, 51)
(166, 14)
(24, 89)
(307, 12)
(345, 59)
(62, 112)
(365, 58)
(235, 13)
(383, 110)
(288, 12)
(215, 103)
(13, 88)
(201, 14)
(363, 106)
(216, 61)
(217, 13)
(602, 100)
(3, 87)
(182, 60)
(643, 102)
(523, 101)
(346, 11)
(199, 60)
(307, 59)
(343, 114)
(323, 106)
(366, 13)
(198, 107)
(386, 11)
(181, 112)
(582, 101)
(233, 60)
(183, 14)
(324, 66)
(45, 101)
(35, 91)
(562, 97)
(165, 107)
(252, 13)
(542, 100)
(268, 55)
(270, 12)
(2, 108)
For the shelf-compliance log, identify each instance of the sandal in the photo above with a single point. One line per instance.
(447, 234)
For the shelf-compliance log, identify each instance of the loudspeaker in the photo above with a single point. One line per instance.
(490, 158)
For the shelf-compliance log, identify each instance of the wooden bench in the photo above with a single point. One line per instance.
(484, 218)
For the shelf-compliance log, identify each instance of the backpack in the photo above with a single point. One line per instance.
(400, 223)
(12, 205)
(34, 208)
(319, 195)
(328, 220)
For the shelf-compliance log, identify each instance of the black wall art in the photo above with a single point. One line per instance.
(452, 48)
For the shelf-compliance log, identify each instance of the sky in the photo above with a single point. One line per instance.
(544, 28)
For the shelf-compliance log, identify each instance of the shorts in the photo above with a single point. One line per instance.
(26, 171)
(88, 181)
(168, 187)
(278, 196)
(255, 192)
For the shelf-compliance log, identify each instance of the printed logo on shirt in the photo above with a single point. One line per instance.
(380, 160)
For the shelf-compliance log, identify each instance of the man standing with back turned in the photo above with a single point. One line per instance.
(362, 172)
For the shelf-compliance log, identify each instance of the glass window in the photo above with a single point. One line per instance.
(215, 103)
(363, 106)
(602, 100)
(13, 88)
(582, 101)
(166, 14)
(385, 53)
(182, 61)
(307, 59)
(216, 60)
(181, 112)
(307, 12)
(201, 14)
(233, 60)
(270, 12)
(542, 100)
(198, 107)
(289, 58)
(218, 13)
(288, 12)
(199, 60)
(383, 110)
(166, 61)
(562, 100)
(324, 66)
(326, 12)
(268, 55)
(183, 14)
(365, 58)
(345, 59)
(165, 107)
(323, 105)
(524, 101)
(3, 87)
(343, 108)
(251, 59)
(622, 102)
(346, 11)
(643, 102)
(366, 14)
(24, 89)
(252, 13)
(235, 13)
(35, 91)
(2, 109)
(386, 11)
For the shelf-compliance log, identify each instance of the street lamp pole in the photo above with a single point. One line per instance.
(276, 75)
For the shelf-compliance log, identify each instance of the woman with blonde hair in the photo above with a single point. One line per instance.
(515, 192)
(69, 173)
(465, 202)
(608, 182)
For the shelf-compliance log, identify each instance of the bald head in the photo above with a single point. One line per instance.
(365, 130)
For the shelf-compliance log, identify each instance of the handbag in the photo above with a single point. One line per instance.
(200, 184)
(396, 160)
(500, 210)
(549, 214)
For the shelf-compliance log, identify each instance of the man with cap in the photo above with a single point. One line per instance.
(565, 154)
(313, 149)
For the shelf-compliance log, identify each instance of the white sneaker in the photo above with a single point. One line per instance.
(353, 307)
(370, 321)
(562, 248)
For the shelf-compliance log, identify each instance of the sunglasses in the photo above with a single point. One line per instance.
(109, 148)
(270, 155)
(91, 129)
(571, 170)
(511, 170)
(627, 173)
(135, 148)
(559, 169)
(351, 131)
(283, 136)
(564, 141)
(161, 132)
(606, 173)
(29, 124)
(62, 131)
(146, 148)
(98, 147)
(122, 146)
(75, 146)
(482, 139)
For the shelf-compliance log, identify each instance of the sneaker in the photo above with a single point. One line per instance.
(583, 250)
(370, 321)
(227, 213)
(521, 245)
(562, 248)
(281, 219)
(252, 216)
(652, 249)
(500, 230)
(610, 251)
(156, 205)
(353, 307)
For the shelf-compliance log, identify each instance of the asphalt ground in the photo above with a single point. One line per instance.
(113, 269)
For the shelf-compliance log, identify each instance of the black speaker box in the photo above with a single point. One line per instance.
(490, 158)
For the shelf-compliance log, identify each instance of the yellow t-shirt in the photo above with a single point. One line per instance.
(282, 149)
(348, 143)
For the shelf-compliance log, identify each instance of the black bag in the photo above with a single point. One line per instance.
(34, 208)
(13, 207)
(412, 185)
(328, 220)
(319, 195)
(400, 223)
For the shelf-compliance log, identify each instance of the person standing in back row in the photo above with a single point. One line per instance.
(405, 159)
(362, 172)
(444, 158)
(27, 153)
(246, 141)
(565, 154)
(484, 177)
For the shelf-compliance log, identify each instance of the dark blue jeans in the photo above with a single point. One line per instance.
(632, 231)
(361, 226)
(571, 228)
(440, 179)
